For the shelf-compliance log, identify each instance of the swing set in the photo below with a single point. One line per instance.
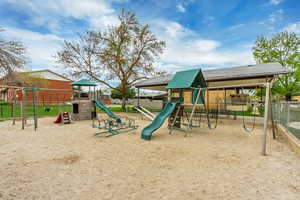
(242, 78)
(26, 103)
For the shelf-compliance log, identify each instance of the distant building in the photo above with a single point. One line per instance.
(53, 86)
(149, 99)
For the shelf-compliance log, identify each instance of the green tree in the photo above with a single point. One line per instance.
(116, 94)
(124, 53)
(284, 49)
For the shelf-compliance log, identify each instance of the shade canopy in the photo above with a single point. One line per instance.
(246, 75)
(187, 79)
(84, 82)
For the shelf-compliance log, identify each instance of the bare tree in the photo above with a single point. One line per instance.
(24, 79)
(11, 56)
(122, 54)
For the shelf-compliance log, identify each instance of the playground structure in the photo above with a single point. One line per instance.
(219, 80)
(84, 107)
(30, 103)
(115, 124)
(185, 80)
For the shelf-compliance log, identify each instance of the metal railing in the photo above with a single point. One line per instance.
(288, 115)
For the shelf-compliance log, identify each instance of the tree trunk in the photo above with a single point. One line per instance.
(123, 103)
(288, 97)
(123, 96)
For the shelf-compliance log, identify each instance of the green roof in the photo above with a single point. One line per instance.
(187, 79)
(84, 82)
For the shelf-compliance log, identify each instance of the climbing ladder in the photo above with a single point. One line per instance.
(65, 118)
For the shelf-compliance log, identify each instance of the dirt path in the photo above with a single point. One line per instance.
(68, 162)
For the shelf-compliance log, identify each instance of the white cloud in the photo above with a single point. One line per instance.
(174, 30)
(98, 13)
(235, 27)
(40, 47)
(295, 27)
(208, 19)
(180, 8)
(276, 16)
(186, 48)
(275, 2)
(170, 29)
(273, 20)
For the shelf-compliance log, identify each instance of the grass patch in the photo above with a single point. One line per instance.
(6, 110)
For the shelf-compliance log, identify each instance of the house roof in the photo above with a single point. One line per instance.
(151, 94)
(232, 73)
(47, 74)
(187, 79)
(84, 82)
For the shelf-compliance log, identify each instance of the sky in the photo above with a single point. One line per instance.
(198, 33)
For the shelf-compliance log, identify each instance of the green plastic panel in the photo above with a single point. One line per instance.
(200, 99)
(106, 110)
(187, 79)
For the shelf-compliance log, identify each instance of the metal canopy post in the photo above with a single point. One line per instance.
(138, 100)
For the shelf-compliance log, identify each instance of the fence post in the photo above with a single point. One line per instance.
(288, 115)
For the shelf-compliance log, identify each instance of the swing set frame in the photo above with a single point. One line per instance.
(247, 77)
(23, 101)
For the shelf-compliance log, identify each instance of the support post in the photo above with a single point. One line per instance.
(194, 106)
(272, 117)
(266, 118)
(169, 95)
(22, 109)
(138, 100)
(14, 106)
(95, 93)
(288, 113)
(34, 94)
(225, 102)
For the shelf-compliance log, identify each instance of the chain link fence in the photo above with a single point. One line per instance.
(288, 115)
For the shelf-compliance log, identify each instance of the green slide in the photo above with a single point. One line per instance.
(158, 121)
(106, 110)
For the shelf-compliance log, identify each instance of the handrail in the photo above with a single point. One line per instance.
(147, 111)
(144, 113)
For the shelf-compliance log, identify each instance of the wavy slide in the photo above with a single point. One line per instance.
(158, 121)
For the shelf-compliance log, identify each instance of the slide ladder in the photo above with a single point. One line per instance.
(145, 112)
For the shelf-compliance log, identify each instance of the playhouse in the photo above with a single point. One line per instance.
(82, 105)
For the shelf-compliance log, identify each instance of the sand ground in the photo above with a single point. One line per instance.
(69, 162)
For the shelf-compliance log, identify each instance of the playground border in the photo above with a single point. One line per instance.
(292, 141)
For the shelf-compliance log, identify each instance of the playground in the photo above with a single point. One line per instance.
(69, 162)
(189, 150)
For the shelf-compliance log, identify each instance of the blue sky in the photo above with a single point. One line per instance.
(198, 33)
